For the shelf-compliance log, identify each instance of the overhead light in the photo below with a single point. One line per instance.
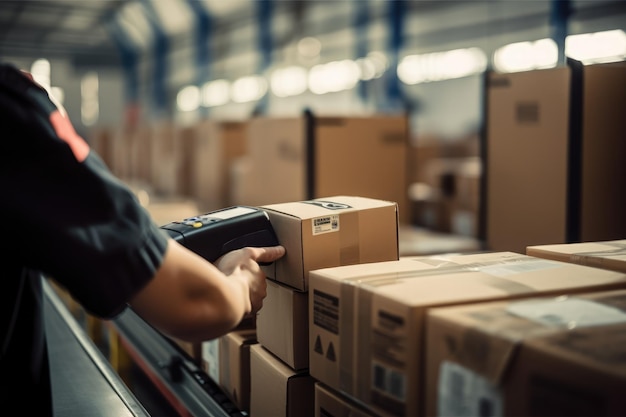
(590, 48)
(249, 88)
(215, 93)
(334, 76)
(188, 98)
(437, 66)
(525, 56)
(289, 81)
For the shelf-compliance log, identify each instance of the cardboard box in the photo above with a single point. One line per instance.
(554, 151)
(367, 322)
(283, 325)
(217, 145)
(607, 255)
(329, 403)
(277, 390)
(332, 231)
(234, 366)
(542, 357)
(307, 157)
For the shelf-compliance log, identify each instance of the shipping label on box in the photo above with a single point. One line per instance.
(366, 322)
(332, 231)
(540, 356)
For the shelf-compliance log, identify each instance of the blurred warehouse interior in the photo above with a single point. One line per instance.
(441, 106)
(119, 66)
(185, 59)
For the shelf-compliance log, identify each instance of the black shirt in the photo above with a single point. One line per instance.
(65, 217)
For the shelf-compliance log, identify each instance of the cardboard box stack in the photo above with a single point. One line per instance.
(561, 356)
(300, 158)
(607, 254)
(367, 322)
(554, 156)
(325, 232)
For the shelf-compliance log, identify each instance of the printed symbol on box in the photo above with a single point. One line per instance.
(318, 346)
(329, 205)
(330, 353)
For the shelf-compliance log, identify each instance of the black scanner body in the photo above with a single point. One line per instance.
(215, 233)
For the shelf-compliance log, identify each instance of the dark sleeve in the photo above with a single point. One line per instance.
(64, 212)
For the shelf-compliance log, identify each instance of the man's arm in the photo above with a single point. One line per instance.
(191, 299)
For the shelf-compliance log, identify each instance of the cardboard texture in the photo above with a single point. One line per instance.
(276, 389)
(234, 366)
(542, 357)
(329, 403)
(332, 231)
(367, 322)
(606, 255)
(217, 145)
(283, 326)
(554, 153)
(308, 157)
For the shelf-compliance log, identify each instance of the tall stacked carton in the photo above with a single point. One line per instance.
(554, 156)
(324, 232)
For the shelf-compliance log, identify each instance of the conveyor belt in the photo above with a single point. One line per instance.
(174, 373)
(83, 382)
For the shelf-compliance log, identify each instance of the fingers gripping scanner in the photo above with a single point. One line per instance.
(213, 234)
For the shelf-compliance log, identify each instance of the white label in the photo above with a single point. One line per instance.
(388, 380)
(325, 224)
(211, 358)
(567, 312)
(463, 393)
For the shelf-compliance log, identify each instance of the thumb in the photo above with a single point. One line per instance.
(269, 254)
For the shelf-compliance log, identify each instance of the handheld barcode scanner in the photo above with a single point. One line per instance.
(213, 234)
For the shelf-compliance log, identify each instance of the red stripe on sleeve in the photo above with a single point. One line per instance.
(65, 131)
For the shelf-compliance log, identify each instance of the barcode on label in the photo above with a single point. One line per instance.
(389, 381)
(463, 393)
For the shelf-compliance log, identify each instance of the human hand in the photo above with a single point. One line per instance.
(243, 264)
